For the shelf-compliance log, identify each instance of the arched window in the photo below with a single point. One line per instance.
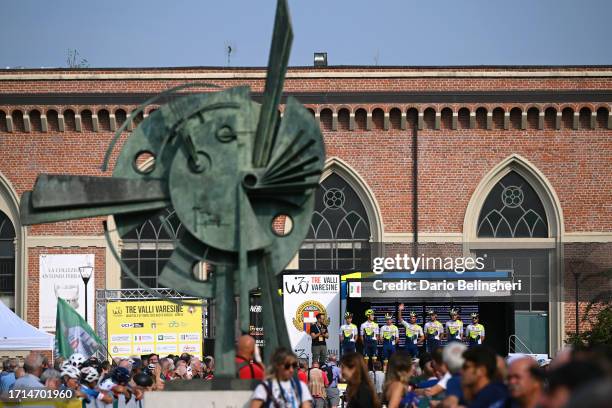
(35, 120)
(515, 118)
(361, 119)
(326, 119)
(53, 120)
(7, 261)
(481, 118)
(446, 118)
(87, 120)
(339, 233)
(550, 118)
(344, 118)
(395, 118)
(378, 119)
(464, 118)
(146, 249)
(498, 118)
(512, 210)
(120, 117)
(3, 121)
(429, 117)
(104, 118)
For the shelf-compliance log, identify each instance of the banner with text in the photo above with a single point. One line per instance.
(256, 320)
(60, 277)
(304, 297)
(162, 327)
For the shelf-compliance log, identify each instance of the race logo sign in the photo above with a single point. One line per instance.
(304, 297)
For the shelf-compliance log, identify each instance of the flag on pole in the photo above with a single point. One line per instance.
(73, 334)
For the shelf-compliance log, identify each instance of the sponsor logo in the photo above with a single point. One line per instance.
(120, 338)
(121, 350)
(306, 314)
(190, 348)
(143, 349)
(132, 325)
(255, 308)
(299, 285)
(166, 348)
(146, 338)
(190, 337)
(117, 311)
(166, 337)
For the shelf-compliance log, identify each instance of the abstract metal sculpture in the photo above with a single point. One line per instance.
(229, 167)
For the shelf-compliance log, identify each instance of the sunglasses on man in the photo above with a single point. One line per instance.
(290, 365)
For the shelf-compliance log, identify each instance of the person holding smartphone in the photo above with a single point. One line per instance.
(319, 334)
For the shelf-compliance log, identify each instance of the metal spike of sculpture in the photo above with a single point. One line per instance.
(229, 169)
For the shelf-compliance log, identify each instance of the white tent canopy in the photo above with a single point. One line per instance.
(16, 334)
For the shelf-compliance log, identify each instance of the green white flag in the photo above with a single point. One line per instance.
(72, 333)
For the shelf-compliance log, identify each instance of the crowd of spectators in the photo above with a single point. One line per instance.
(453, 376)
(100, 383)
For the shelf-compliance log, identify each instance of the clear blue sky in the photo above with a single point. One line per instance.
(130, 33)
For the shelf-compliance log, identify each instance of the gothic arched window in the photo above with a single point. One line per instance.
(512, 210)
(339, 233)
(146, 249)
(7, 261)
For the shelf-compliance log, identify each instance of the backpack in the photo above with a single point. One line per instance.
(244, 363)
(271, 401)
(330, 373)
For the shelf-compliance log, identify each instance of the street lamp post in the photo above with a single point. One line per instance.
(575, 267)
(86, 272)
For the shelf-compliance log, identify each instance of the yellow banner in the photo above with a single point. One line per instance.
(162, 327)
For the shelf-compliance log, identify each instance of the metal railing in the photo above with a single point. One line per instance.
(513, 340)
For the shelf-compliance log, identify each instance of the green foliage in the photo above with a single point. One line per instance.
(600, 332)
(601, 323)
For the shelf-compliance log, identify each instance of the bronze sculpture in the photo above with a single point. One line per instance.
(229, 167)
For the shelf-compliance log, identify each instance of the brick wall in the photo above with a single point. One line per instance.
(454, 154)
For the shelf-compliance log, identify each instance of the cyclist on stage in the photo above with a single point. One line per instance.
(475, 332)
(389, 334)
(454, 327)
(433, 331)
(369, 336)
(348, 334)
(414, 332)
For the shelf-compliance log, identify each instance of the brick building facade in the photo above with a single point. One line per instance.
(459, 130)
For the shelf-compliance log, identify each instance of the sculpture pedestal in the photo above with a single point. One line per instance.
(218, 393)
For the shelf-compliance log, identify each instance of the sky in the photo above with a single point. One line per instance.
(156, 33)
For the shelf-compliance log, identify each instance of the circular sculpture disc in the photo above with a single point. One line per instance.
(202, 148)
(205, 182)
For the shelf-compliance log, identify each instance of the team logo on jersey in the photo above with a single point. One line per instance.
(306, 314)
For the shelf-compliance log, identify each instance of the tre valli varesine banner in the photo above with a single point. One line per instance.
(162, 327)
(305, 296)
